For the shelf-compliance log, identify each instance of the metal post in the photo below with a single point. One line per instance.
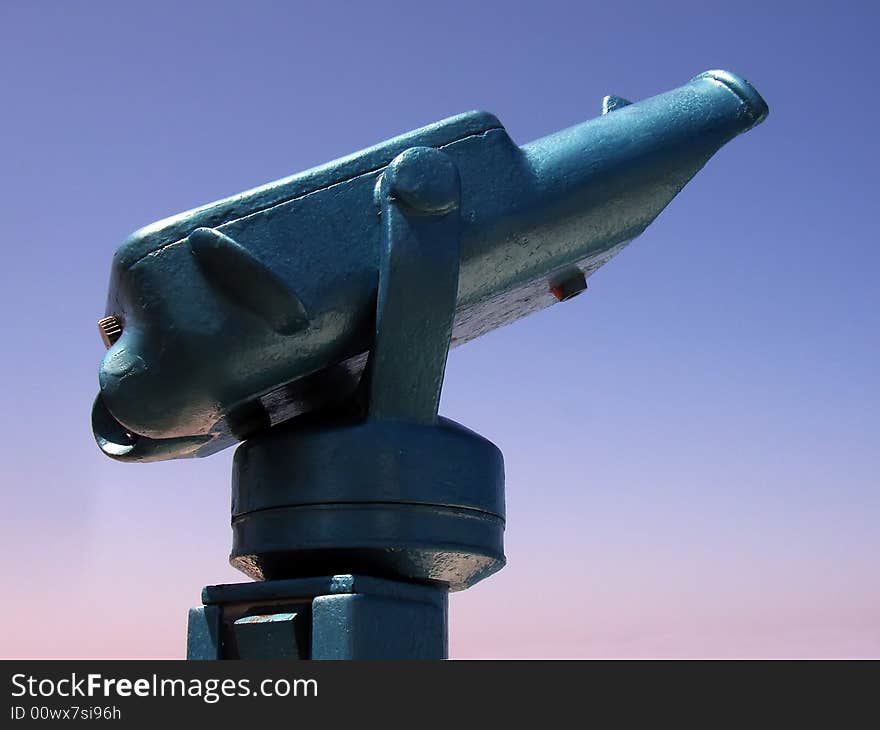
(334, 617)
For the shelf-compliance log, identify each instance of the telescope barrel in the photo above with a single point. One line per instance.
(575, 197)
(244, 313)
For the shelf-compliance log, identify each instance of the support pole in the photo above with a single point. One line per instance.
(334, 617)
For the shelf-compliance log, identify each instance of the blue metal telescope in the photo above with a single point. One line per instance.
(311, 317)
(279, 306)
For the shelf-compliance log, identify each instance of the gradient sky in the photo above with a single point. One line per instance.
(692, 447)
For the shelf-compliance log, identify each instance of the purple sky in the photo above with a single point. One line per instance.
(692, 447)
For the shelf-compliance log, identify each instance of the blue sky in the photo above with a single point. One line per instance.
(692, 447)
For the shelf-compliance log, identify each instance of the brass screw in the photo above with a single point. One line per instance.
(110, 329)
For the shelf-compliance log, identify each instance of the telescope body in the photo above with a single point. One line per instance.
(259, 308)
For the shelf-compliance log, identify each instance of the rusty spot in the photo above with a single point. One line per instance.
(568, 285)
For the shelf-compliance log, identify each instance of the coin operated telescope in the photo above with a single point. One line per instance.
(310, 318)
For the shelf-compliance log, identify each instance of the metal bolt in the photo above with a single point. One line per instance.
(110, 329)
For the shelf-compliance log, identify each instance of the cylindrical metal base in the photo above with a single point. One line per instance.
(394, 499)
